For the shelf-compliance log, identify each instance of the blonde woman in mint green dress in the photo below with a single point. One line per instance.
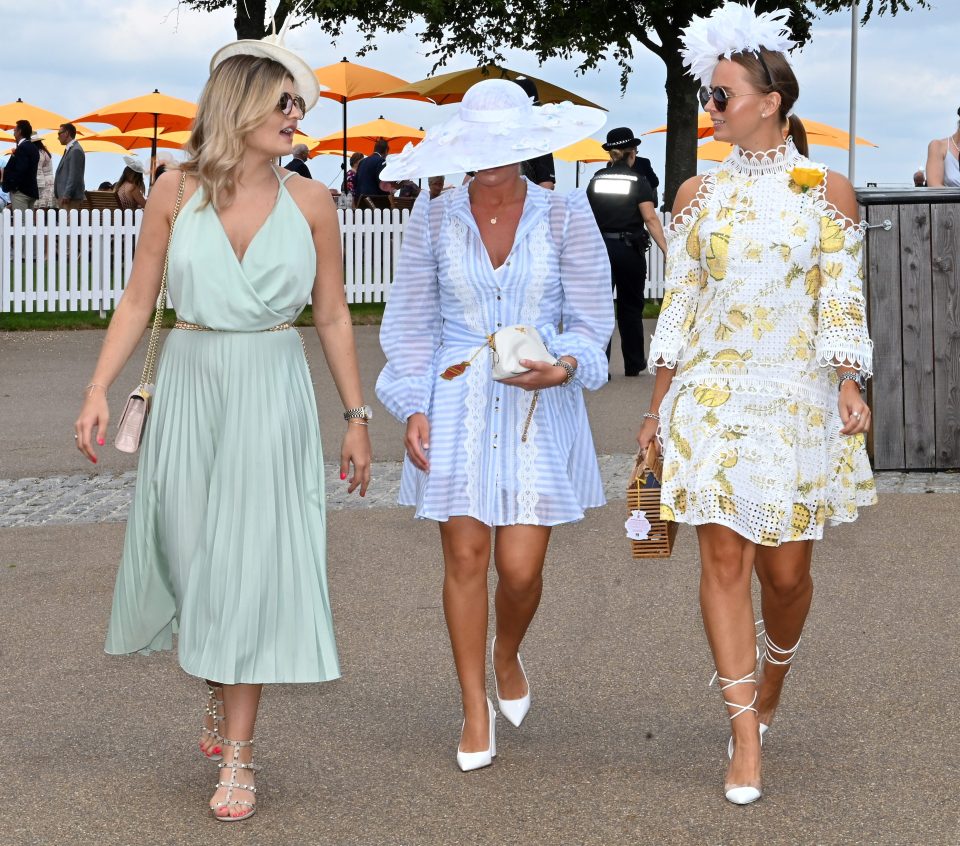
(225, 543)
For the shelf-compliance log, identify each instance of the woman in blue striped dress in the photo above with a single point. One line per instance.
(485, 454)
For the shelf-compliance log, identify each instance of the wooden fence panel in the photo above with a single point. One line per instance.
(917, 338)
(946, 332)
(885, 318)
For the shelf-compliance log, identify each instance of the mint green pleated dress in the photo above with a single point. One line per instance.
(226, 539)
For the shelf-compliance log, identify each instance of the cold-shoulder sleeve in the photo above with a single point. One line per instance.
(684, 277)
(410, 331)
(587, 314)
(842, 338)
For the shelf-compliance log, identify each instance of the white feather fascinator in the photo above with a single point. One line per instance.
(733, 28)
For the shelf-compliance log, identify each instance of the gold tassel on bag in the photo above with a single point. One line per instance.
(650, 537)
(133, 420)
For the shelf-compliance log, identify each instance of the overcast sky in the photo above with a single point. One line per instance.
(72, 56)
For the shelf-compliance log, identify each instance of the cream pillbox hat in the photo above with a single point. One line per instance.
(271, 47)
(497, 124)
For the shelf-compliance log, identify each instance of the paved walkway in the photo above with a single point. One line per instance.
(624, 745)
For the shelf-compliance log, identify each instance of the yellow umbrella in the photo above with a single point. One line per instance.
(818, 133)
(450, 87)
(39, 118)
(154, 111)
(363, 136)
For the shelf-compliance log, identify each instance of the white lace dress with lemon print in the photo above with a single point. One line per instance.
(764, 300)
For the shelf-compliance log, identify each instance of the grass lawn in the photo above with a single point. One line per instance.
(364, 314)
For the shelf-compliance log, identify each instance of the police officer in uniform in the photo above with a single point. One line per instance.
(622, 203)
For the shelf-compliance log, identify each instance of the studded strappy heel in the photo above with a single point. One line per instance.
(234, 764)
(210, 729)
(740, 794)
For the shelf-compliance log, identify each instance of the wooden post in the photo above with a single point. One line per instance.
(913, 308)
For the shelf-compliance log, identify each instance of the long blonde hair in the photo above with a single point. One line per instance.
(240, 95)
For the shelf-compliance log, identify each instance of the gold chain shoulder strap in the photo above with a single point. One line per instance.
(150, 365)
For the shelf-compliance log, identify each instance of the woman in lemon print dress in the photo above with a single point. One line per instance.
(760, 352)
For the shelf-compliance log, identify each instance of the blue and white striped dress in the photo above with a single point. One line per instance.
(445, 300)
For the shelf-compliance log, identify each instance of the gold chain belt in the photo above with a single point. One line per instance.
(196, 327)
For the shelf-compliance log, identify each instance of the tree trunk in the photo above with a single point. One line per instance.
(682, 110)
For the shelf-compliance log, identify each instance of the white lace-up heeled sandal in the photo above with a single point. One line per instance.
(773, 654)
(228, 801)
(740, 794)
(213, 711)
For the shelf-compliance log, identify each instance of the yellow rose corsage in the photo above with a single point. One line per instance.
(806, 178)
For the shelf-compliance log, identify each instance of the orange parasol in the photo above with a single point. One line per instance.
(39, 118)
(150, 111)
(363, 136)
(818, 133)
(346, 81)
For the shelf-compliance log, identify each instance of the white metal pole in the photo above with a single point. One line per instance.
(854, 27)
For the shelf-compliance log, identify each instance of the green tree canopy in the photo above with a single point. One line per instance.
(586, 31)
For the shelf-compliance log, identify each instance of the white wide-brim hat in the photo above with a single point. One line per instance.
(497, 125)
(304, 79)
(135, 164)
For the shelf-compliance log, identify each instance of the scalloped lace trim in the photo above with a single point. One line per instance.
(778, 160)
(685, 218)
(858, 356)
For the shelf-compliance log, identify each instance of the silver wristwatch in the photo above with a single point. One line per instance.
(856, 376)
(364, 412)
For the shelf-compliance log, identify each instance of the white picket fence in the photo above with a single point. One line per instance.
(81, 260)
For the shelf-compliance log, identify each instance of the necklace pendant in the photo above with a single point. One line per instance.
(493, 220)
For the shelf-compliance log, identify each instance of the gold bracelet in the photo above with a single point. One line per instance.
(95, 385)
(358, 420)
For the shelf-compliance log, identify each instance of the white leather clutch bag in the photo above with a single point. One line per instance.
(513, 343)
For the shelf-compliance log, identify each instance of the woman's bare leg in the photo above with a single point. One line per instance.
(786, 591)
(727, 608)
(240, 704)
(519, 553)
(466, 558)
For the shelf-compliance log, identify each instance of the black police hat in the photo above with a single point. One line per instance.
(619, 138)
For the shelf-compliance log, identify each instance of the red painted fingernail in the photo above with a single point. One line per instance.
(343, 476)
(101, 441)
(94, 460)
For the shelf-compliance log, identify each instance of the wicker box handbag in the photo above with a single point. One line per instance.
(650, 537)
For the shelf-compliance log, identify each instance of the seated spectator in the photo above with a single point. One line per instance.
(350, 180)
(943, 161)
(105, 186)
(130, 186)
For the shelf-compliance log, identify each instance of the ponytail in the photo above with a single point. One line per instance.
(798, 132)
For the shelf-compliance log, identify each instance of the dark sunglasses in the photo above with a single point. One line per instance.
(720, 96)
(288, 101)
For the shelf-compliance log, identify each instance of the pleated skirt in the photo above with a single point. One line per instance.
(226, 538)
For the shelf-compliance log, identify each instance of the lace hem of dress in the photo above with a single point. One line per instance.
(722, 385)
